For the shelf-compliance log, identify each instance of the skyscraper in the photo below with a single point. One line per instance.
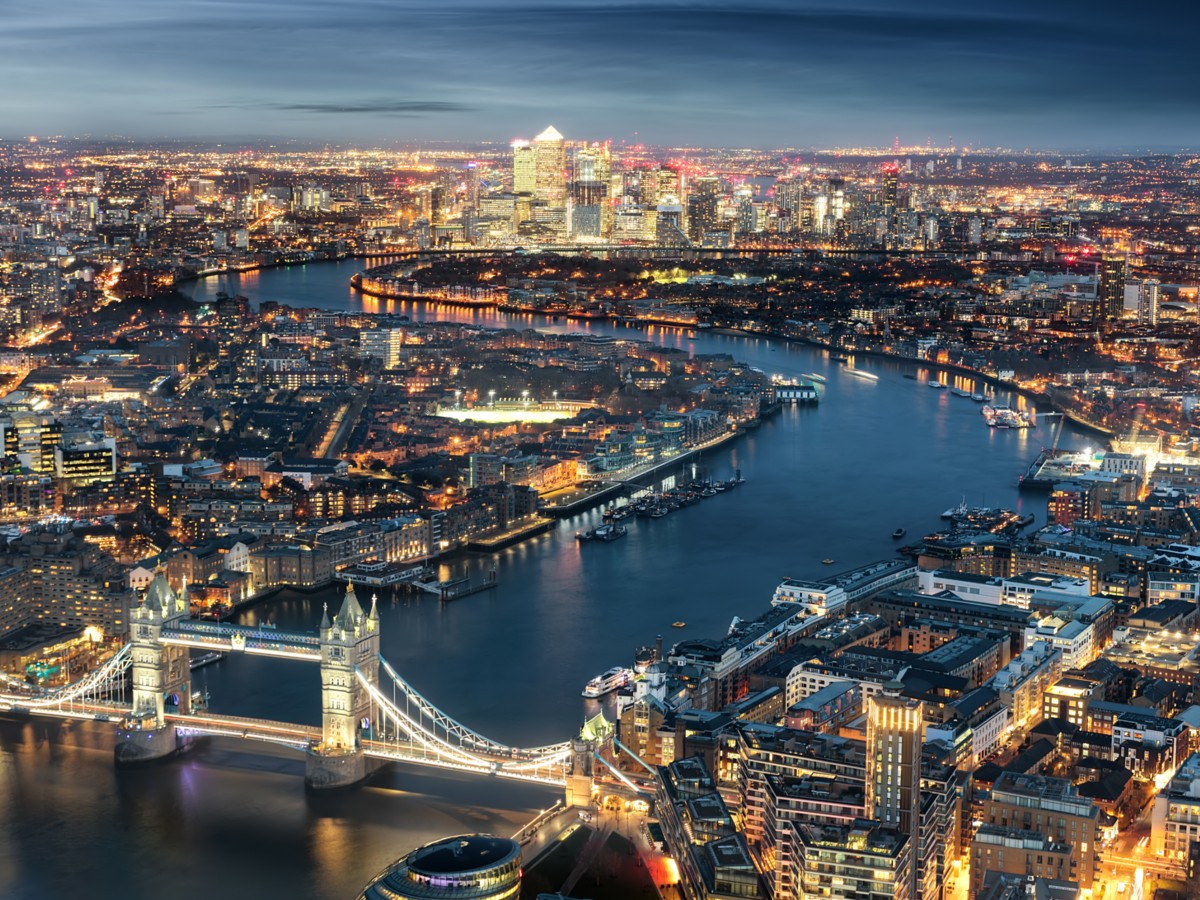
(1112, 287)
(702, 207)
(591, 174)
(891, 184)
(551, 184)
(895, 728)
(1148, 302)
(524, 167)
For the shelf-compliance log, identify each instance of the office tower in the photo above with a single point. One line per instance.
(31, 438)
(895, 729)
(891, 184)
(975, 230)
(647, 187)
(702, 207)
(837, 198)
(551, 184)
(1148, 302)
(1112, 287)
(669, 187)
(590, 186)
(472, 178)
(524, 167)
(437, 204)
(820, 209)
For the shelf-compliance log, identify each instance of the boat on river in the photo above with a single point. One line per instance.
(898, 533)
(607, 683)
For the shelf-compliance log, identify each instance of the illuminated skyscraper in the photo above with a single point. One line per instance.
(669, 187)
(551, 183)
(591, 175)
(1112, 287)
(895, 729)
(702, 207)
(1148, 302)
(891, 185)
(524, 167)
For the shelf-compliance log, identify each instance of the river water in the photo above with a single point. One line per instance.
(881, 451)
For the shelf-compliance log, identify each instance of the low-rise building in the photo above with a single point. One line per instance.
(1018, 851)
(1175, 816)
(1053, 808)
(1022, 683)
(290, 564)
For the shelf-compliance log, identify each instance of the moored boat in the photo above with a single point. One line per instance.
(603, 684)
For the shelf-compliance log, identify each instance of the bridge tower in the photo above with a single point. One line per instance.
(349, 642)
(161, 677)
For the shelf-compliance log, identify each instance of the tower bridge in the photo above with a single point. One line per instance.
(368, 711)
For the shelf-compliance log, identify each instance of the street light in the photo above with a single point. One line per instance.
(491, 398)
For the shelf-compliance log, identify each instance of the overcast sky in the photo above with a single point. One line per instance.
(1013, 73)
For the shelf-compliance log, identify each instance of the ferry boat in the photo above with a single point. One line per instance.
(936, 385)
(815, 377)
(607, 683)
(959, 392)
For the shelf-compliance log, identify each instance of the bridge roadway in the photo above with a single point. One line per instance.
(298, 737)
(248, 639)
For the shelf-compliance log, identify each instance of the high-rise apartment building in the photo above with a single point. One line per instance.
(1148, 302)
(1112, 286)
(383, 344)
(895, 729)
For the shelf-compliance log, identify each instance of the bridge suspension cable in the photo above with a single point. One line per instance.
(465, 735)
(430, 736)
(105, 684)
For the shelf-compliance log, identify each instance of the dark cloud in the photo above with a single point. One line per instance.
(796, 73)
(382, 107)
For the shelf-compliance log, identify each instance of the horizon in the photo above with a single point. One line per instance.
(1059, 75)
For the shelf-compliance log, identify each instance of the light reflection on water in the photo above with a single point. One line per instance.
(827, 482)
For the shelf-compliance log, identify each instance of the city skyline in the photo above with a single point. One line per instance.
(1052, 76)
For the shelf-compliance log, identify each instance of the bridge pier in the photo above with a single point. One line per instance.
(137, 746)
(579, 782)
(334, 771)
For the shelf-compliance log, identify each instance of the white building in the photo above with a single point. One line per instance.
(819, 596)
(1175, 817)
(1019, 589)
(968, 586)
(1020, 684)
(1172, 586)
(1076, 640)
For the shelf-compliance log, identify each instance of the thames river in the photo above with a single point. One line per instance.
(881, 451)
